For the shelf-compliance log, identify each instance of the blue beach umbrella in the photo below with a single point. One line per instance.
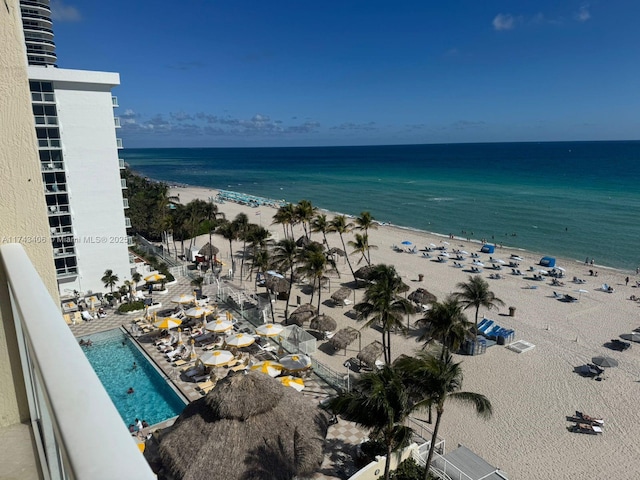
(407, 242)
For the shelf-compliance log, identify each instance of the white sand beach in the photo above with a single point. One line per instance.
(533, 392)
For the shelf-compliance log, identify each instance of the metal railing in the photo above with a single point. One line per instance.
(89, 440)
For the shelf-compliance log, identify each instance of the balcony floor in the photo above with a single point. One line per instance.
(17, 453)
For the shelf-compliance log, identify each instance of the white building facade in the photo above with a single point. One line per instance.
(76, 131)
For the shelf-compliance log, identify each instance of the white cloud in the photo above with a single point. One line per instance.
(64, 13)
(504, 21)
(583, 14)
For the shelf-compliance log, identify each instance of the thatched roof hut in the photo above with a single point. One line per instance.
(364, 273)
(277, 284)
(337, 251)
(341, 294)
(306, 307)
(299, 318)
(422, 297)
(323, 323)
(209, 250)
(242, 429)
(370, 354)
(344, 337)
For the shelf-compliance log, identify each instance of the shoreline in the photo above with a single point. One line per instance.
(212, 192)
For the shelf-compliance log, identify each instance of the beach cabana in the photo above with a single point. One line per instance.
(243, 428)
(549, 262)
(486, 248)
(370, 354)
(323, 323)
(340, 295)
(422, 296)
(343, 338)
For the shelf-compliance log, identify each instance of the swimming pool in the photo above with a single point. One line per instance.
(112, 356)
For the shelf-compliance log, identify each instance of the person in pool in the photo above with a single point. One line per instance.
(130, 391)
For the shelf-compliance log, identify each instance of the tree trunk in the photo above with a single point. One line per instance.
(475, 332)
(348, 261)
(387, 462)
(432, 447)
(286, 308)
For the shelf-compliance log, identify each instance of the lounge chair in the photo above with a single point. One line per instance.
(569, 298)
(580, 417)
(77, 317)
(483, 322)
(426, 254)
(67, 319)
(619, 345)
(557, 295)
(585, 428)
(486, 326)
(490, 332)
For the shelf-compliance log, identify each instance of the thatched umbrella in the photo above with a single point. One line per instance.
(305, 307)
(303, 241)
(299, 318)
(341, 294)
(242, 429)
(277, 284)
(337, 251)
(422, 297)
(344, 337)
(364, 273)
(323, 323)
(370, 354)
(209, 250)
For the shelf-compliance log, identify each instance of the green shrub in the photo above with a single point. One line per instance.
(131, 307)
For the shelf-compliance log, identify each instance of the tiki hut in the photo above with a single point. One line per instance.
(370, 354)
(343, 338)
(337, 251)
(306, 307)
(422, 297)
(364, 273)
(242, 429)
(340, 295)
(323, 323)
(209, 250)
(299, 318)
(277, 285)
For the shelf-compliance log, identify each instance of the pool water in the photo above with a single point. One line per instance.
(112, 356)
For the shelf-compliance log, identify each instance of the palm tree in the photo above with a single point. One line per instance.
(366, 222)
(379, 403)
(475, 293)
(135, 278)
(229, 231)
(211, 214)
(315, 264)
(285, 216)
(446, 322)
(109, 279)
(439, 380)
(197, 282)
(319, 223)
(361, 246)
(304, 212)
(257, 237)
(340, 225)
(261, 261)
(285, 256)
(242, 224)
(382, 306)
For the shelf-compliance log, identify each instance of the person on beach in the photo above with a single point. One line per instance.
(626, 281)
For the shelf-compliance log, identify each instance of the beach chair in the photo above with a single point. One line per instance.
(483, 322)
(585, 428)
(67, 319)
(77, 317)
(486, 326)
(491, 331)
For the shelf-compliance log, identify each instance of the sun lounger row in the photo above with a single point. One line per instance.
(492, 330)
(515, 271)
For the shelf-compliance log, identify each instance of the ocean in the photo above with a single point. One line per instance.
(570, 199)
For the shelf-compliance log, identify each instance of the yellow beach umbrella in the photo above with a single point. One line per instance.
(154, 277)
(293, 382)
(218, 326)
(239, 340)
(269, 330)
(141, 446)
(296, 363)
(217, 358)
(271, 368)
(168, 323)
(183, 299)
(197, 312)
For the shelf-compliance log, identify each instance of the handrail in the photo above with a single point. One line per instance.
(78, 428)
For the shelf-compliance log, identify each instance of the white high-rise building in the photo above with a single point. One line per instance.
(76, 130)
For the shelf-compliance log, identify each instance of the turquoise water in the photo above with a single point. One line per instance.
(571, 199)
(153, 400)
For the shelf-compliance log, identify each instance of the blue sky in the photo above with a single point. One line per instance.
(244, 73)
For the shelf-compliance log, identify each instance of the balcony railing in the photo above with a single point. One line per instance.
(114, 102)
(116, 120)
(88, 442)
(127, 222)
(125, 203)
(119, 143)
(123, 183)
(121, 163)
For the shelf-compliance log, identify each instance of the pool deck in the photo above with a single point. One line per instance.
(342, 438)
